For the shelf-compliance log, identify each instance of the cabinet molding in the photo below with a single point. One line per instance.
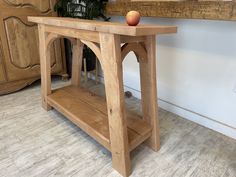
(9, 87)
(2, 71)
(20, 44)
(18, 31)
(41, 6)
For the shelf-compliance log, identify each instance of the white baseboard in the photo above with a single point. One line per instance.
(188, 114)
(199, 119)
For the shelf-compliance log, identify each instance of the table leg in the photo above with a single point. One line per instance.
(149, 92)
(112, 67)
(77, 60)
(45, 67)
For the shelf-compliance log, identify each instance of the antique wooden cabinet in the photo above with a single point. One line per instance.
(19, 49)
(2, 73)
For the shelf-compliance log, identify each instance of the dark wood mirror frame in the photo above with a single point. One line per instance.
(186, 9)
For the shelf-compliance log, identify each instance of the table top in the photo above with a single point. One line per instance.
(105, 27)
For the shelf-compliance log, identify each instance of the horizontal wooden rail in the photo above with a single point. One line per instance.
(191, 9)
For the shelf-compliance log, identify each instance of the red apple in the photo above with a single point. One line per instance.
(132, 18)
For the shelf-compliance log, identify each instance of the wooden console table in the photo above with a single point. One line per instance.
(106, 120)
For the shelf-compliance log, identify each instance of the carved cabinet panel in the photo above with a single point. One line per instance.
(2, 74)
(41, 5)
(20, 43)
(22, 40)
(2, 78)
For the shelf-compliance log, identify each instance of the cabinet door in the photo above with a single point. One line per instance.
(39, 5)
(2, 74)
(20, 39)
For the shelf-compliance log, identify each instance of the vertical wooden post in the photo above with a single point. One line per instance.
(45, 66)
(112, 66)
(149, 92)
(77, 61)
(96, 71)
(85, 70)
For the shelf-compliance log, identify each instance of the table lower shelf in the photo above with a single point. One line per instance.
(89, 112)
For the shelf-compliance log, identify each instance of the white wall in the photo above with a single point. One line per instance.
(196, 72)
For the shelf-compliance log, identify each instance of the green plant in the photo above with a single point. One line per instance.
(84, 9)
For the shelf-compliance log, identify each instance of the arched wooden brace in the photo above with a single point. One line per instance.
(51, 37)
(77, 54)
(96, 49)
(77, 58)
(138, 49)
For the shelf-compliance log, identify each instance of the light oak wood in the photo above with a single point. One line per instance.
(85, 70)
(154, 0)
(105, 27)
(24, 62)
(190, 9)
(85, 116)
(2, 74)
(149, 92)
(19, 43)
(112, 67)
(81, 34)
(50, 38)
(45, 67)
(19, 33)
(47, 144)
(89, 112)
(2, 71)
(10, 87)
(77, 61)
(95, 48)
(39, 5)
(129, 39)
(137, 48)
(108, 122)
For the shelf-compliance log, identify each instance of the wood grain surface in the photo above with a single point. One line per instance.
(38, 143)
(19, 48)
(190, 9)
(103, 27)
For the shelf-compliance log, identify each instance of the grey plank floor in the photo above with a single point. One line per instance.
(38, 143)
